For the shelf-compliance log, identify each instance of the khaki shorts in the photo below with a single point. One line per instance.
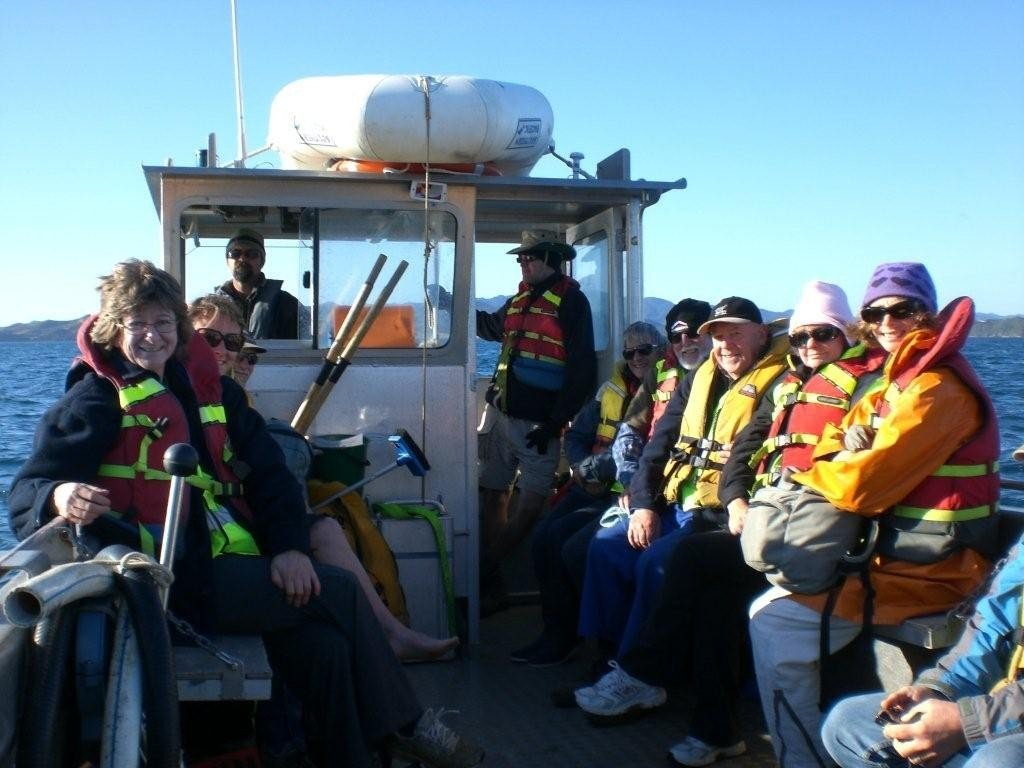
(503, 450)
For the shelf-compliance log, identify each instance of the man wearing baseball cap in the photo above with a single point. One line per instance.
(674, 492)
(546, 371)
(269, 311)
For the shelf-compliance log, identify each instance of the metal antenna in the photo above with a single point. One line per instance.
(240, 162)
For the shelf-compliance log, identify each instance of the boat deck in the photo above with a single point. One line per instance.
(507, 708)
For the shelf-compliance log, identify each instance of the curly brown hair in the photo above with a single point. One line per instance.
(130, 286)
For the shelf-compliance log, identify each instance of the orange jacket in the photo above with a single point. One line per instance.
(934, 415)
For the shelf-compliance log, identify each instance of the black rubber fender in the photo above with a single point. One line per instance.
(39, 743)
(159, 683)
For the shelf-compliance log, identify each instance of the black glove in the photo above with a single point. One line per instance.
(539, 437)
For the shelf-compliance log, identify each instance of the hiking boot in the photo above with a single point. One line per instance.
(694, 752)
(435, 745)
(527, 652)
(619, 694)
(552, 652)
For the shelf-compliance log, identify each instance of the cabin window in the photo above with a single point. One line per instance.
(289, 260)
(350, 242)
(590, 269)
(326, 261)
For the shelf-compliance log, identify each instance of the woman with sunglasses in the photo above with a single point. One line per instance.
(218, 320)
(918, 452)
(146, 381)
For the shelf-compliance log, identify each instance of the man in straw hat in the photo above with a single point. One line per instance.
(546, 371)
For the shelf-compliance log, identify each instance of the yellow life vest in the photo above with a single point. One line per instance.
(696, 450)
(613, 397)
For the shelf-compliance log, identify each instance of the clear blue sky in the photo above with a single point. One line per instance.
(818, 138)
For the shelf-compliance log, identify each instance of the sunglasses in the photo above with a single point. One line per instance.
(525, 258)
(820, 335)
(232, 341)
(676, 337)
(244, 253)
(247, 357)
(643, 350)
(899, 311)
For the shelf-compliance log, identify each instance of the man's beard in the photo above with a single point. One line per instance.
(691, 358)
(244, 273)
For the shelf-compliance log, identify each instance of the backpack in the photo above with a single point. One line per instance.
(798, 539)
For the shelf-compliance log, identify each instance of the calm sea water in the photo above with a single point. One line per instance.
(32, 378)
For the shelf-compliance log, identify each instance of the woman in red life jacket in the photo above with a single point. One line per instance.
(145, 381)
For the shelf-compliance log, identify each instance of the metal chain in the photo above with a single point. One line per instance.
(190, 632)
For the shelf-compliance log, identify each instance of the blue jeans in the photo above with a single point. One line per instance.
(855, 741)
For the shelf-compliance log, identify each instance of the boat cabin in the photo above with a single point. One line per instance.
(416, 368)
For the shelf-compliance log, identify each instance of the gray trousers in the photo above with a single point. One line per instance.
(331, 652)
(785, 636)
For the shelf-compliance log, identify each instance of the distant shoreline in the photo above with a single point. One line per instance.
(654, 311)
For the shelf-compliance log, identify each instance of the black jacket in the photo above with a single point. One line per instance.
(77, 432)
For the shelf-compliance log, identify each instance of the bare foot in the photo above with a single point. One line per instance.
(410, 645)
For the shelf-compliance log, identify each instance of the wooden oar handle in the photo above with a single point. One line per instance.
(378, 305)
(353, 313)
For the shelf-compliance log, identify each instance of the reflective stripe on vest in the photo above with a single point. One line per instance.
(791, 392)
(227, 537)
(533, 335)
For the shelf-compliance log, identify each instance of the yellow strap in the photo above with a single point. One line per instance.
(966, 470)
(213, 414)
(136, 393)
(942, 515)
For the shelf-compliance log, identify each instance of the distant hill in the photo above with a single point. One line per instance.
(986, 326)
(42, 330)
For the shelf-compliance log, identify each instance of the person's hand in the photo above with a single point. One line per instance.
(725, 452)
(859, 437)
(292, 572)
(928, 733)
(624, 501)
(80, 503)
(737, 515)
(644, 528)
(539, 437)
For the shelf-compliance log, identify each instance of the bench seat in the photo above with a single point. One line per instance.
(204, 677)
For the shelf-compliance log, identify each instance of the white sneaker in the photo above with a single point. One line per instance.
(618, 693)
(694, 752)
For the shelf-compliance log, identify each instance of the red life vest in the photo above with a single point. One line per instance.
(804, 409)
(534, 342)
(153, 420)
(958, 502)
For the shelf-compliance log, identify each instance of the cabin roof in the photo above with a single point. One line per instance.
(503, 203)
